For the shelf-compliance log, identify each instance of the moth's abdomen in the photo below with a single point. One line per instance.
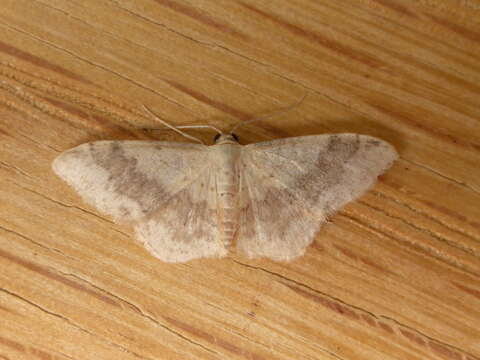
(227, 181)
(228, 211)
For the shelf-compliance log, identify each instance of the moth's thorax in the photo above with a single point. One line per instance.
(226, 139)
(227, 189)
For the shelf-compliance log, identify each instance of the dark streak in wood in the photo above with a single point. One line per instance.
(206, 100)
(473, 292)
(369, 320)
(87, 117)
(386, 327)
(466, 33)
(452, 213)
(201, 17)
(444, 351)
(3, 308)
(214, 340)
(12, 344)
(225, 108)
(42, 355)
(3, 132)
(44, 272)
(412, 337)
(362, 259)
(330, 304)
(39, 354)
(407, 119)
(471, 358)
(396, 7)
(35, 60)
(321, 40)
(464, 83)
(272, 129)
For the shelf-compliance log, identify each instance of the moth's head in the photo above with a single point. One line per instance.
(225, 139)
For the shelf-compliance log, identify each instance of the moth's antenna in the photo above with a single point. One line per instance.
(281, 111)
(150, 112)
(199, 127)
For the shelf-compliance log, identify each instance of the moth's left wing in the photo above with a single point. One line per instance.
(290, 186)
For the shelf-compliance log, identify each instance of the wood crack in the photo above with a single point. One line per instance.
(71, 323)
(33, 241)
(462, 184)
(58, 202)
(136, 309)
(460, 231)
(48, 86)
(355, 313)
(16, 169)
(425, 249)
(41, 145)
(168, 99)
(453, 244)
(130, 80)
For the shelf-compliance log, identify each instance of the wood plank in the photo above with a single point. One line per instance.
(394, 275)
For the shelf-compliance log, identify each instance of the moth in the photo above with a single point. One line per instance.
(189, 201)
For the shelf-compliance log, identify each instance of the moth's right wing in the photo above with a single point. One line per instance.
(186, 227)
(290, 186)
(166, 189)
(129, 180)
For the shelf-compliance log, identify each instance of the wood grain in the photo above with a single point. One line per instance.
(394, 275)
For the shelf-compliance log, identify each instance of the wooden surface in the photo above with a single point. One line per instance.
(394, 275)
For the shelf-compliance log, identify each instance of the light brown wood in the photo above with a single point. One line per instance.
(394, 275)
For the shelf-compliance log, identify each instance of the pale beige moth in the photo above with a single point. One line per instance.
(188, 201)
